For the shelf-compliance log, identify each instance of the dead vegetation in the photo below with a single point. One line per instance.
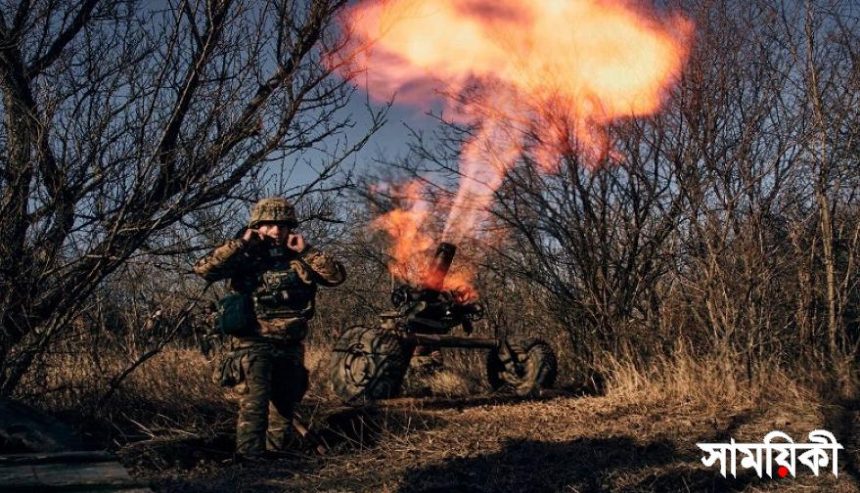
(173, 427)
(704, 288)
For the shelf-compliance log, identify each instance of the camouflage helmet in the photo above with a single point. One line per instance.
(273, 210)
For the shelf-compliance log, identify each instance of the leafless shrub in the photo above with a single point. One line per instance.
(130, 129)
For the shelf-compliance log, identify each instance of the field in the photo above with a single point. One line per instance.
(173, 428)
(666, 192)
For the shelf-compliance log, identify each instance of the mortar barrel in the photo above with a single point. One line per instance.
(439, 265)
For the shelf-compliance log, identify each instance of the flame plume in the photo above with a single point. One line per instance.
(542, 77)
(412, 245)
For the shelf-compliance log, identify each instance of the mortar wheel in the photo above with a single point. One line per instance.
(537, 368)
(368, 364)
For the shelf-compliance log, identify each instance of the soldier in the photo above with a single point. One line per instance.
(272, 267)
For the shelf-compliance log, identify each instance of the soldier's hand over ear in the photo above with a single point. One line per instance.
(252, 237)
(296, 242)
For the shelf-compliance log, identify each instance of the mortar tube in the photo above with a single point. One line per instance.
(439, 266)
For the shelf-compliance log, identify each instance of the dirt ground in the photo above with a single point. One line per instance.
(559, 442)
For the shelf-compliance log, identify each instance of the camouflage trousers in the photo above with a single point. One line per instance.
(269, 379)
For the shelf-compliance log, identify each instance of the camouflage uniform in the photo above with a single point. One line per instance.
(267, 363)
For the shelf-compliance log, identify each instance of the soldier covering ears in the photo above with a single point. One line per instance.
(274, 276)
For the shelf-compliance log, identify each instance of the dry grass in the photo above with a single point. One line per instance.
(718, 382)
(170, 394)
(450, 384)
(173, 427)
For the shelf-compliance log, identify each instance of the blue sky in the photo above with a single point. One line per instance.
(390, 141)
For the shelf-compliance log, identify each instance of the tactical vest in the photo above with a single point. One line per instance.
(281, 292)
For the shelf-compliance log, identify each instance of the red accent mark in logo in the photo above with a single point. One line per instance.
(782, 471)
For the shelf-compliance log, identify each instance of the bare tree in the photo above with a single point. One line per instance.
(826, 53)
(729, 226)
(121, 121)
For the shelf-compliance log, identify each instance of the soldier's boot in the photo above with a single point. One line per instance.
(254, 406)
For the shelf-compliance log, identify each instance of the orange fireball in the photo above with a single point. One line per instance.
(543, 77)
(595, 60)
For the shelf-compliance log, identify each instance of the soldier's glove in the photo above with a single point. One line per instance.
(257, 243)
